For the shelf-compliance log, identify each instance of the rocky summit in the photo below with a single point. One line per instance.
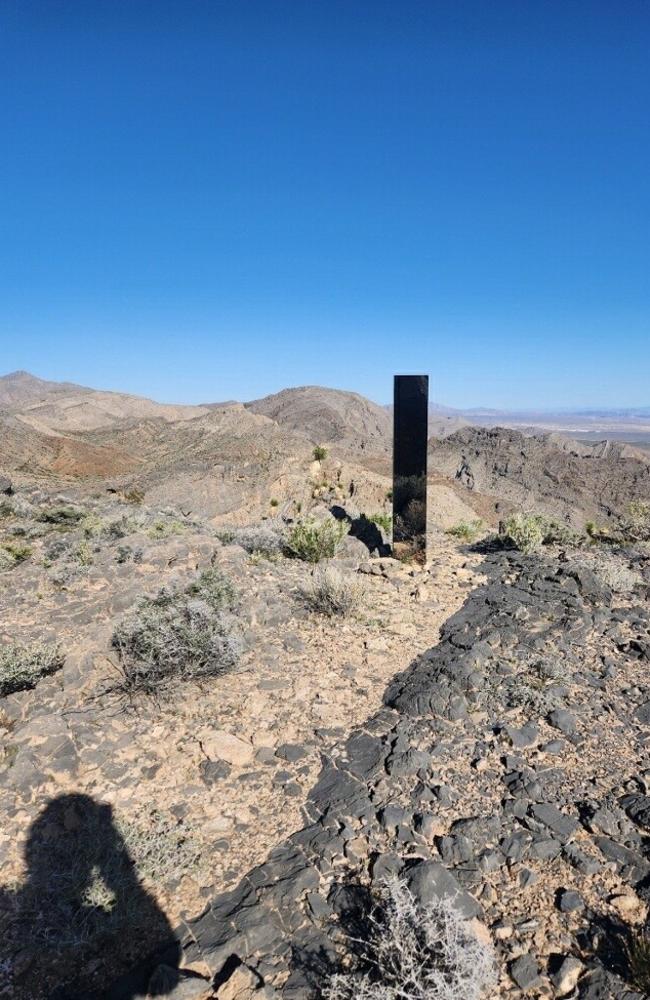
(245, 753)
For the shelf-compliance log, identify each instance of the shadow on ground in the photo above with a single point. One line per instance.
(80, 907)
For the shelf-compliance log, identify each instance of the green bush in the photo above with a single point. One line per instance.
(312, 541)
(181, 635)
(467, 531)
(134, 496)
(636, 523)
(22, 666)
(382, 520)
(319, 453)
(529, 532)
(13, 553)
(165, 529)
(62, 517)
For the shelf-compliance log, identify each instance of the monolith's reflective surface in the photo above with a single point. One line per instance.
(410, 433)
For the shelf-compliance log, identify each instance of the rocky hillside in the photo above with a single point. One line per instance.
(67, 408)
(206, 790)
(574, 481)
(330, 416)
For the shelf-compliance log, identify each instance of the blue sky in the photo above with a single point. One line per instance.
(213, 200)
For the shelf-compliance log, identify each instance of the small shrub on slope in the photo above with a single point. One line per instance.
(179, 636)
(636, 524)
(413, 952)
(332, 592)
(529, 532)
(312, 541)
(465, 530)
(383, 521)
(267, 540)
(22, 667)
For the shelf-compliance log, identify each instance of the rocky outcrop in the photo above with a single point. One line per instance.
(566, 479)
(508, 768)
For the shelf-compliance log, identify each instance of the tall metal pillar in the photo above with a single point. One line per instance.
(410, 435)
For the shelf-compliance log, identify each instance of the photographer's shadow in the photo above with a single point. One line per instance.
(82, 918)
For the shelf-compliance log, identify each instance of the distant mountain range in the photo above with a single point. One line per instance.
(223, 457)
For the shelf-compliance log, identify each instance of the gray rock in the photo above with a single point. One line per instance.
(212, 771)
(565, 721)
(581, 861)
(547, 814)
(292, 752)
(429, 880)
(175, 984)
(643, 713)
(6, 485)
(525, 972)
(638, 809)
(570, 901)
(525, 737)
(565, 979)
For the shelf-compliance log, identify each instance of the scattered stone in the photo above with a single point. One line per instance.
(570, 901)
(566, 978)
(212, 771)
(525, 972)
(565, 721)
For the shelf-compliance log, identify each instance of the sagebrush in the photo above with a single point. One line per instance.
(414, 952)
(23, 665)
(313, 541)
(179, 635)
(267, 540)
(467, 531)
(332, 592)
(529, 532)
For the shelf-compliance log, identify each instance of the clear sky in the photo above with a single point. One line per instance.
(212, 200)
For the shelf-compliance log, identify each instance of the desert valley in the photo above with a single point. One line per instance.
(239, 739)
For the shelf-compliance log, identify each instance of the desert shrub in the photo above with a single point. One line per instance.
(6, 509)
(312, 541)
(638, 960)
(13, 553)
(119, 528)
(267, 540)
(165, 529)
(529, 532)
(332, 592)
(178, 635)
(382, 520)
(126, 553)
(22, 666)
(162, 849)
(616, 574)
(62, 517)
(274, 502)
(319, 453)
(83, 554)
(636, 523)
(134, 495)
(467, 531)
(526, 532)
(415, 952)
(92, 525)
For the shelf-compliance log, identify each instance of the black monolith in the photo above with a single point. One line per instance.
(410, 434)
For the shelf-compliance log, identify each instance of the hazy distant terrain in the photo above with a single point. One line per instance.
(232, 459)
